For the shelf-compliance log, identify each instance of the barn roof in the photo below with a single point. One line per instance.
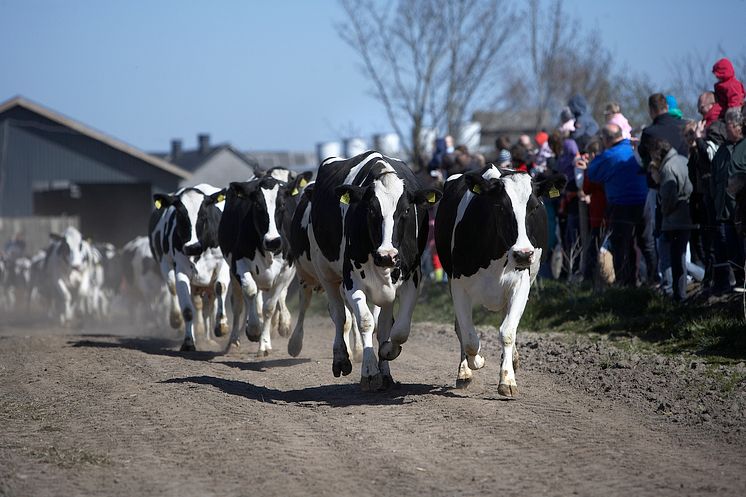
(24, 103)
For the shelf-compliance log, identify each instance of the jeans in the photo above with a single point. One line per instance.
(677, 241)
(729, 253)
(627, 226)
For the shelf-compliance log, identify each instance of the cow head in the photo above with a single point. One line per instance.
(515, 195)
(263, 199)
(388, 210)
(196, 218)
(69, 247)
(737, 188)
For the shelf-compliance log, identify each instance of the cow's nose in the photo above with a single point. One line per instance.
(523, 257)
(272, 244)
(386, 257)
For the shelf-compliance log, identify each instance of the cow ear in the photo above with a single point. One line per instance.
(297, 184)
(349, 194)
(162, 200)
(477, 184)
(216, 197)
(428, 196)
(549, 185)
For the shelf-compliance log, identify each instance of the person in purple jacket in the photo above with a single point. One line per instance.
(626, 190)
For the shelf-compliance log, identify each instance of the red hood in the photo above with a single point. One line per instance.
(723, 70)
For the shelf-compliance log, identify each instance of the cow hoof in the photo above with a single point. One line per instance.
(234, 347)
(263, 353)
(475, 362)
(343, 367)
(187, 347)
(221, 329)
(371, 383)
(388, 383)
(284, 331)
(509, 391)
(294, 347)
(388, 351)
(463, 383)
(253, 335)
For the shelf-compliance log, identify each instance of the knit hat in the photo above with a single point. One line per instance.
(503, 158)
(673, 106)
(541, 138)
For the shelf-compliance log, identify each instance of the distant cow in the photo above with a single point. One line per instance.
(367, 231)
(490, 233)
(184, 239)
(144, 285)
(73, 266)
(251, 239)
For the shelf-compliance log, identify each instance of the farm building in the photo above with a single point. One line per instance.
(217, 165)
(51, 165)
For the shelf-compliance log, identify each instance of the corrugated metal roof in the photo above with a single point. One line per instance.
(19, 101)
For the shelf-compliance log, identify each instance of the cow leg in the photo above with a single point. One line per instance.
(184, 293)
(221, 291)
(370, 374)
(385, 322)
(295, 343)
(283, 314)
(270, 303)
(462, 306)
(175, 318)
(463, 379)
(352, 338)
(508, 328)
(238, 308)
(391, 348)
(251, 296)
(66, 314)
(341, 364)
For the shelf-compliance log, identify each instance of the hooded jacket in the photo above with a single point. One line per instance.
(619, 172)
(674, 192)
(667, 127)
(585, 126)
(729, 91)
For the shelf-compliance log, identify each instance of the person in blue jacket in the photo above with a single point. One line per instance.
(626, 190)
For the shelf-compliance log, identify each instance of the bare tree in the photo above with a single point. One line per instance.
(428, 60)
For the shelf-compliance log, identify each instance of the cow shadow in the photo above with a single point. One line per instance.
(148, 345)
(346, 395)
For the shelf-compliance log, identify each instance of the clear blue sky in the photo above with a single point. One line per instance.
(264, 75)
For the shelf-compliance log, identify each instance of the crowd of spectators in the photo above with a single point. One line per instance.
(656, 197)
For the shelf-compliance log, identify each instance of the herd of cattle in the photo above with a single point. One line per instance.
(357, 232)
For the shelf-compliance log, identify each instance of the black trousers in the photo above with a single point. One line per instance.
(627, 227)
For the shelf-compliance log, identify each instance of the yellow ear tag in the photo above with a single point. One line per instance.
(345, 199)
(431, 198)
(158, 204)
(553, 192)
(294, 192)
(302, 182)
(476, 189)
(221, 197)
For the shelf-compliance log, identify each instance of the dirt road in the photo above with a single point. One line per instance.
(107, 414)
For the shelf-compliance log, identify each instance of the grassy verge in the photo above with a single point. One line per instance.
(713, 328)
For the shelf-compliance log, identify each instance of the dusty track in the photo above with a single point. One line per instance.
(120, 415)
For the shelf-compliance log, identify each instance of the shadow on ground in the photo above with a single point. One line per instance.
(330, 395)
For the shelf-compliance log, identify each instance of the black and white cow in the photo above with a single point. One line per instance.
(143, 284)
(300, 255)
(73, 267)
(184, 240)
(367, 231)
(251, 239)
(490, 233)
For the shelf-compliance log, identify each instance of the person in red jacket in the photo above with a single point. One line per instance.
(729, 91)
